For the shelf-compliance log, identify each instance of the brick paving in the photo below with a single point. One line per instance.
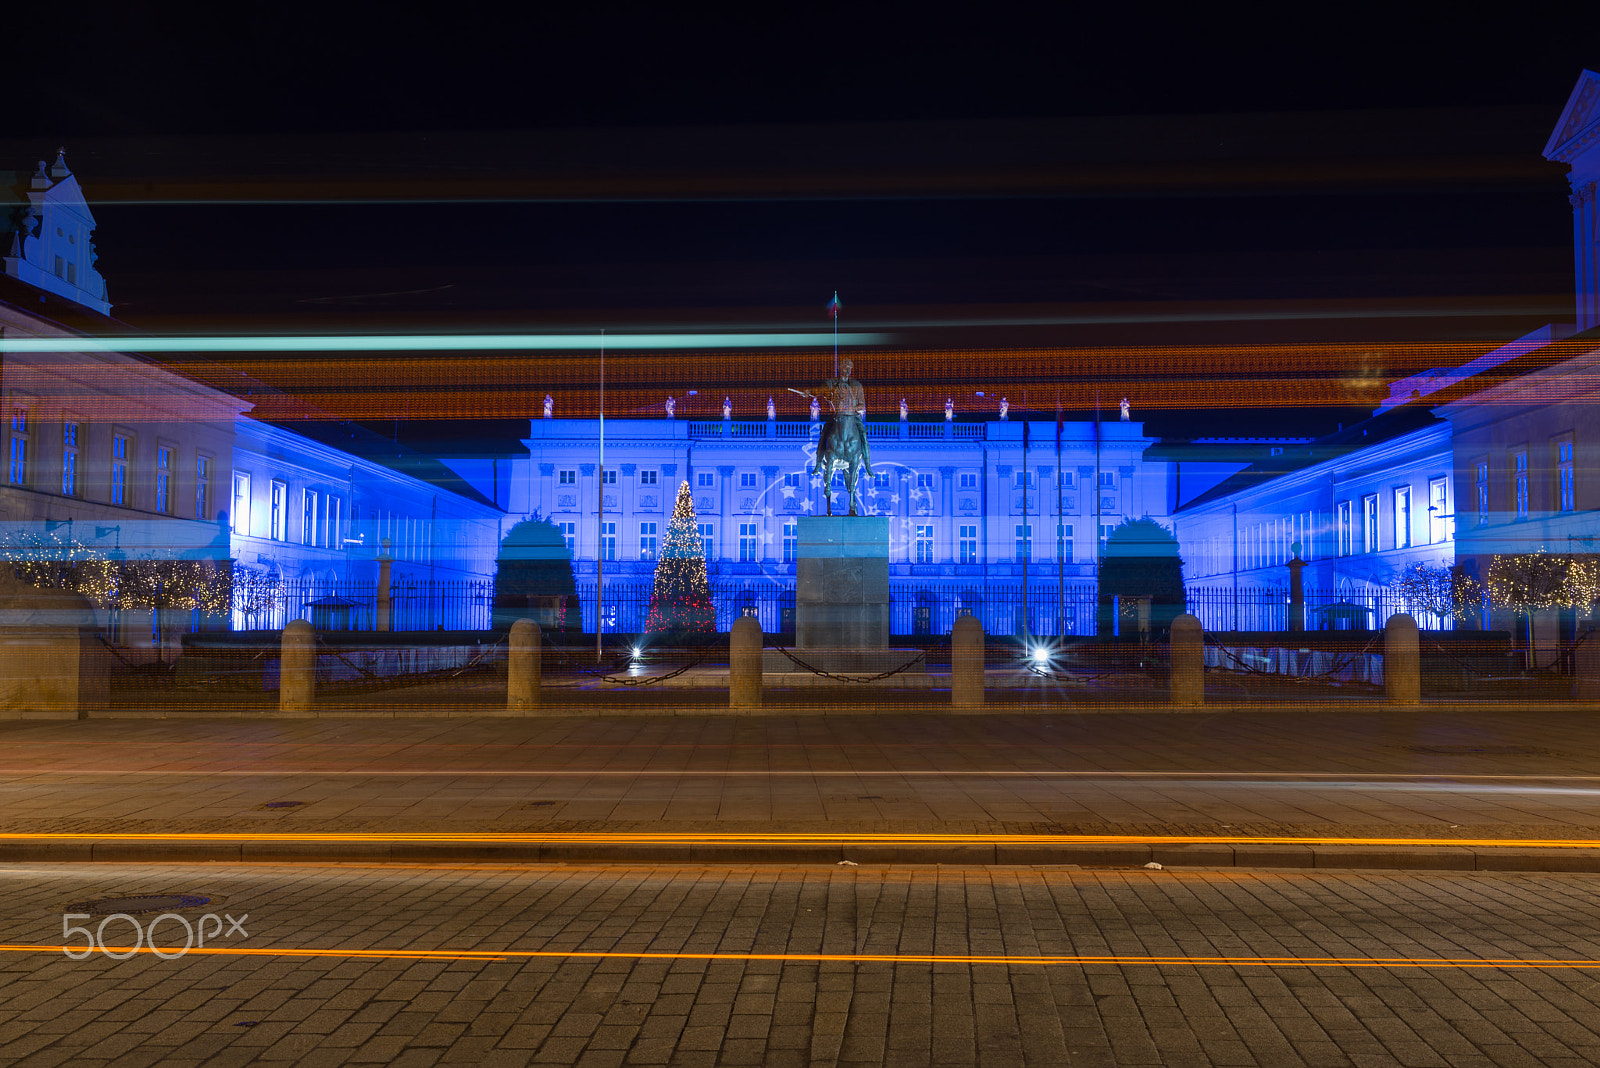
(1427, 774)
(232, 1010)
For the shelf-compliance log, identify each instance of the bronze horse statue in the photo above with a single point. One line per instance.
(842, 445)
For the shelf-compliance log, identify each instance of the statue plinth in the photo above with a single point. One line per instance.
(841, 583)
(841, 602)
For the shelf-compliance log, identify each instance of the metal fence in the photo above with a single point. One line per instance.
(1266, 608)
(915, 608)
(414, 604)
(921, 609)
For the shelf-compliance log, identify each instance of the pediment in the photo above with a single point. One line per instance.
(1579, 125)
(66, 193)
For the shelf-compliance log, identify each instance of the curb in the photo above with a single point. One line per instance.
(1113, 855)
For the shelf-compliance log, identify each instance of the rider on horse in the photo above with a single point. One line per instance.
(843, 441)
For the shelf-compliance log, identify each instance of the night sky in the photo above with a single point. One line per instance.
(1047, 178)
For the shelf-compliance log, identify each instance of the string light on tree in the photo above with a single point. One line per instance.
(680, 603)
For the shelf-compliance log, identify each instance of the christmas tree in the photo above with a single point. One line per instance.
(680, 603)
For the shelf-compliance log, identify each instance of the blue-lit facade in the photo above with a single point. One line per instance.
(971, 509)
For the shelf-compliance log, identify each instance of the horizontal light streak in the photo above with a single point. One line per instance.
(1314, 780)
(592, 342)
(505, 955)
(790, 838)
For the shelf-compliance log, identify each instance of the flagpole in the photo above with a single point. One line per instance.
(600, 531)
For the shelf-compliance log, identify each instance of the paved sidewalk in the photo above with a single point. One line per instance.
(1012, 785)
(1324, 969)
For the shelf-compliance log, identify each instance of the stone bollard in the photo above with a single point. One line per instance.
(1402, 661)
(297, 668)
(966, 663)
(524, 666)
(1186, 684)
(1586, 666)
(744, 663)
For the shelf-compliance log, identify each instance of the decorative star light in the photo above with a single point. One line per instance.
(788, 490)
(767, 511)
(809, 504)
(816, 481)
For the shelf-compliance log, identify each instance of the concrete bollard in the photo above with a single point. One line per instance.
(966, 663)
(744, 663)
(297, 668)
(524, 666)
(1586, 667)
(1402, 661)
(1186, 684)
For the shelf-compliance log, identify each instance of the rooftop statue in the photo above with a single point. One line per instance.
(842, 444)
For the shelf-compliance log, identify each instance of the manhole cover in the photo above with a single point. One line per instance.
(283, 804)
(136, 905)
(1478, 750)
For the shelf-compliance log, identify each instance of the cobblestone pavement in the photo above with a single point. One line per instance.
(627, 1009)
(1484, 773)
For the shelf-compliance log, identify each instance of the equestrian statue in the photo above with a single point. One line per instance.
(843, 442)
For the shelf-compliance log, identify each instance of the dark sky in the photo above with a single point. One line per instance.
(987, 177)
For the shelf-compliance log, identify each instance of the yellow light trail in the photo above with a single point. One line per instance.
(800, 838)
(505, 955)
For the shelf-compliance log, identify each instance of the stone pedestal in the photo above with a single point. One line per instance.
(51, 662)
(841, 603)
(841, 583)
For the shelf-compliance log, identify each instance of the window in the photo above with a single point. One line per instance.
(279, 505)
(880, 479)
(119, 468)
(1481, 486)
(164, 478)
(792, 480)
(72, 272)
(1402, 518)
(969, 480)
(647, 541)
(1441, 524)
(1066, 479)
(1519, 481)
(69, 459)
(705, 479)
(747, 480)
(608, 478)
(647, 478)
(239, 514)
(19, 446)
(1369, 524)
(202, 487)
(925, 482)
(1108, 480)
(335, 522)
(569, 535)
(1024, 479)
(708, 540)
(1064, 537)
(1345, 534)
(1563, 463)
(925, 544)
(567, 478)
(1024, 542)
(308, 521)
(969, 544)
(608, 541)
(747, 542)
(60, 269)
(1105, 532)
(791, 539)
